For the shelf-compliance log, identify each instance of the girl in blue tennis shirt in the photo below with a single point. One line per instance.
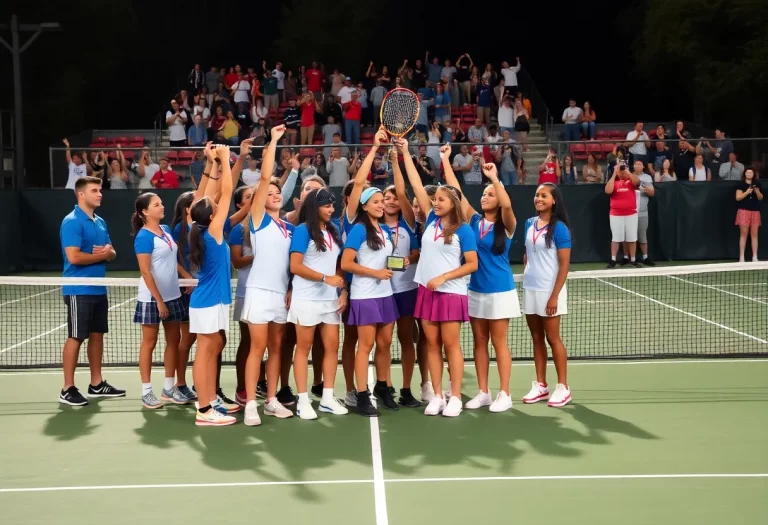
(159, 297)
(547, 259)
(492, 295)
(210, 300)
(448, 255)
(318, 298)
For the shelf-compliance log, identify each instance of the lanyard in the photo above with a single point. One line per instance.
(438, 230)
(536, 233)
(329, 241)
(168, 241)
(395, 238)
(484, 232)
(283, 228)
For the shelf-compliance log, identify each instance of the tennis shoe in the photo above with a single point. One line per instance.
(286, 397)
(252, 418)
(213, 418)
(305, 411)
(364, 405)
(261, 390)
(481, 399)
(187, 393)
(502, 403)
(407, 399)
(385, 396)
(350, 398)
(104, 389)
(174, 396)
(241, 398)
(561, 396)
(317, 390)
(331, 405)
(453, 407)
(150, 401)
(274, 408)
(72, 396)
(435, 407)
(427, 393)
(537, 393)
(226, 404)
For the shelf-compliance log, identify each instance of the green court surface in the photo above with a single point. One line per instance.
(642, 443)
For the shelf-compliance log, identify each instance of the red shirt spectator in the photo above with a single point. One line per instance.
(548, 172)
(308, 114)
(229, 79)
(623, 199)
(314, 79)
(354, 110)
(165, 180)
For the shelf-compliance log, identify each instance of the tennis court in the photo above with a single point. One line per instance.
(680, 439)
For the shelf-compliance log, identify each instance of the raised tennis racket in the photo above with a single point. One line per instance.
(399, 112)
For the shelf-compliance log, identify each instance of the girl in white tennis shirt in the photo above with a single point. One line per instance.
(159, 299)
(210, 300)
(547, 259)
(265, 306)
(315, 299)
(492, 295)
(441, 301)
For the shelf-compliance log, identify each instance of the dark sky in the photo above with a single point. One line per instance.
(117, 63)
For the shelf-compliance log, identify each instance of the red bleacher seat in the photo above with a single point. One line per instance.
(317, 141)
(307, 152)
(137, 138)
(129, 154)
(123, 141)
(579, 151)
(595, 149)
(652, 134)
(603, 135)
(455, 113)
(468, 110)
(618, 135)
(100, 140)
(185, 158)
(608, 148)
(172, 156)
(283, 105)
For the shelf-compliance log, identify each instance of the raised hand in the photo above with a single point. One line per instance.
(402, 145)
(210, 153)
(380, 137)
(66, 142)
(489, 170)
(222, 152)
(245, 147)
(445, 151)
(295, 162)
(278, 132)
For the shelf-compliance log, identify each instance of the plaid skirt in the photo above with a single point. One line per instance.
(147, 313)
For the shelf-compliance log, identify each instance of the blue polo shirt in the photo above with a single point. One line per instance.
(80, 231)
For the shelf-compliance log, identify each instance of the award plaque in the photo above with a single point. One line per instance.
(396, 264)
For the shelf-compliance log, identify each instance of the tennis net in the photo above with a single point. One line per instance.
(680, 311)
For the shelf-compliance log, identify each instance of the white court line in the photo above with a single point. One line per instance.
(660, 361)
(718, 290)
(739, 284)
(665, 305)
(56, 329)
(395, 480)
(379, 492)
(29, 297)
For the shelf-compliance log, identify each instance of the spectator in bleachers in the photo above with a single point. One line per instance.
(665, 173)
(314, 78)
(197, 134)
(549, 169)
(463, 161)
(165, 178)
(117, 172)
(489, 74)
(308, 108)
(244, 119)
(731, 170)
(510, 77)
(353, 114)
(231, 130)
(337, 81)
(572, 116)
(477, 132)
(463, 72)
(331, 133)
(588, 122)
(176, 118)
(377, 97)
(474, 84)
(661, 134)
(362, 97)
(699, 172)
(405, 74)
(507, 157)
(196, 168)
(212, 79)
(331, 108)
(644, 191)
(498, 95)
(291, 86)
(315, 165)
(231, 77)
(292, 121)
(474, 175)
(522, 123)
(97, 162)
(386, 79)
(260, 132)
(680, 131)
(77, 168)
(251, 174)
(338, 168)
(216, 125)
(434, 71)
(442, 104)
(748, 196)
(448, 72)
(183, 98)
(419, 75)
(379, 176)
(592, 173)
(568, 171)
(201, 109)
(684, 156)
(716, 154)
(259, 111)
(618, 155)
(345, 93)
(483, 93)
(196, 79)
(269, 88)
(452, 88)
(146, 170)
(623, 212)
(240, 90)
(278, 74)
(493, 137)
(638, 143)
(425, 166)
(657, 157)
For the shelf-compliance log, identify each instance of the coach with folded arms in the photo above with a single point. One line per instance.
(86, 248)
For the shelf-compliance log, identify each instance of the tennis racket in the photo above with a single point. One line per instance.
(399, 112)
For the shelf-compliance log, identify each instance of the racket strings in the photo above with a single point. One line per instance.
(399, 112)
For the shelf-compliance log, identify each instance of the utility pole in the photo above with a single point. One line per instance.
(16, 50)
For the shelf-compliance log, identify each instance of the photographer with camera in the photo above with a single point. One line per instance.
(623, 215)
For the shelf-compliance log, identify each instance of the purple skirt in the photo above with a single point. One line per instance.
(381, 310)
(439, 307)
(406, 302)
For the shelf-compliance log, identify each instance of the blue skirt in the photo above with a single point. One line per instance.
(382, 310)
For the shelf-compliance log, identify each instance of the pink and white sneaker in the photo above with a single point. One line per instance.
(538, 392)
(560, 397)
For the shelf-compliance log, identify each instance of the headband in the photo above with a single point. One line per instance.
(368, 193)
(325, 197)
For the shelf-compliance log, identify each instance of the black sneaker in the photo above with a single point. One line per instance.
(407, 399)
(72, 396)
(611, 264)
(317, 390)
(261, 390)
(392, 391)
(224, 398)
(104, 390)
(624, 261)
(648, 262)
(384, 395)
(285, 396)
(636, 264)
(364, 405)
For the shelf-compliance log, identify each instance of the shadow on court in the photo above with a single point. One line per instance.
(70, 423)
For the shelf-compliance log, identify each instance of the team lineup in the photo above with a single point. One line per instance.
(427, 265)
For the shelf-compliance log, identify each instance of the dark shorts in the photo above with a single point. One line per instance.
(147, 313)
(86, 314)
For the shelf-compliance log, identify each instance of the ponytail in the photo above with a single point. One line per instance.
(137, 223)
(141, 204)
(196, 247)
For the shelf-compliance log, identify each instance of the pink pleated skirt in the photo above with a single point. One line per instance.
(441, 307)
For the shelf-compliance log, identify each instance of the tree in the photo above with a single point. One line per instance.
(714, 49)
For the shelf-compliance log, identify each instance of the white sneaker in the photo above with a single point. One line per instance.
(213, 418)
(435, 407)
(427, 392)
(252, 418)
(305, 411)
(332, 406)
(561, 396)
(350, 398)
(502, 403)
(481, 399)
(453, 408)
(275, 408)
(538, 392)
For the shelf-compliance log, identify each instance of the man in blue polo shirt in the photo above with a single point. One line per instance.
(86, 247)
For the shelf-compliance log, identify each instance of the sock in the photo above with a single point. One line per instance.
(633, 259)
(204, 409)
(613, 258)
(381, 385)
(271, 399)
(303, 398)
(627, 257)
(146, 388)
(405, 390)
(543, 385)
(168, 383)
(327, 394)
(645, 256)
